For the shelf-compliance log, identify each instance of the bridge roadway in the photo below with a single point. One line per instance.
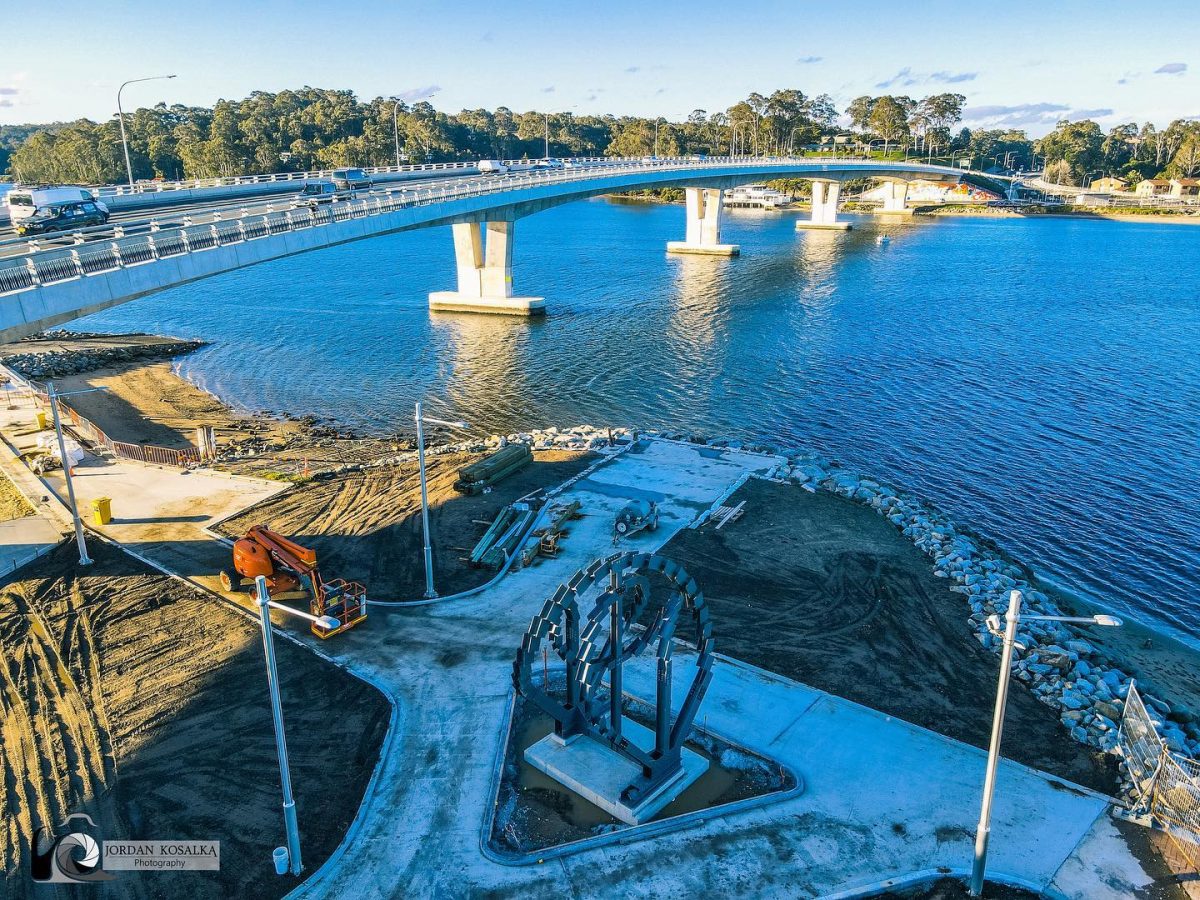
(51, 286)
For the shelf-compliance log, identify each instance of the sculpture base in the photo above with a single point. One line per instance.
(817, 226)
(598, 773)
(703, 249)
(907, 211)
(453, 301)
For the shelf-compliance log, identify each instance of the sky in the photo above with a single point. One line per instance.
(1020, 64)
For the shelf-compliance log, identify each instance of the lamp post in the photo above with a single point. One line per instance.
(121, 119)
(84, 559)
(1012, 618)
(396, 127)
(546, 155)
(289, 859)
(430, 593)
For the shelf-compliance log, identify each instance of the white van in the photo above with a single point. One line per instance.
(24, 200)
(492, 167)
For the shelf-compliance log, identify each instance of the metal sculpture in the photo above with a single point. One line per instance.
(594, 653)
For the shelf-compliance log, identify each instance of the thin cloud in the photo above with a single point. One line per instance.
(6, 103)
(631, 69)
(548, 90)
(809, 60)
(412, 95)
(906, 77)
(8, 91)
(952, 77)
(1171, 69)
(1025, 115)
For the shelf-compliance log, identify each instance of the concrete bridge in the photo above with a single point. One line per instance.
(54, 286)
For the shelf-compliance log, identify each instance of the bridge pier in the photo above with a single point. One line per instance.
(485, 273)
(894, 199)
(824, 208)
(703, 225)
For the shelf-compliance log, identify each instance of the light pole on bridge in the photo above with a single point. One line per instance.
(396, 127)
(121, 119)
(656, 121)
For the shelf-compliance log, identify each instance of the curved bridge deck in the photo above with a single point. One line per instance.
(52, 286)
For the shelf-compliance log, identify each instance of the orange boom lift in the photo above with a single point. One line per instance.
(291, 573)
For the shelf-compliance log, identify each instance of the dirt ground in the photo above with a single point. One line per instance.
(12, 504)
(366, 526)
(825, 591)
(134, 699)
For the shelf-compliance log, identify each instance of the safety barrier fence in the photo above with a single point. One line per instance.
(1166, 785)
(48, 267)
(91, 432)
(156, 187)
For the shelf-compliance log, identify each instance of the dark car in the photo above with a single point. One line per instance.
(63, 217)
(317, 192)
(350, 180)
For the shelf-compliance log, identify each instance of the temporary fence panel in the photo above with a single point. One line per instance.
(1166, 784)
(1141, 746)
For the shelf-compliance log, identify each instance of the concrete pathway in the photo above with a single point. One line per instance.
(884, 798)
(158, 512)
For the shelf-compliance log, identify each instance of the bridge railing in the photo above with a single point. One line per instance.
(96, 257)
(156, 187)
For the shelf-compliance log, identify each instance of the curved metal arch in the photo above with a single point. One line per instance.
(590, 654)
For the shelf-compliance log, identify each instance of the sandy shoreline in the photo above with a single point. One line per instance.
(150, 402)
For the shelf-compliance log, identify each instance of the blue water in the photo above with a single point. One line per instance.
(1038, 379)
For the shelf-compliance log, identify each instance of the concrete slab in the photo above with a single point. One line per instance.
(703, 249)
(803, 225)
(599, 774)
(24, 540)
(453, 301)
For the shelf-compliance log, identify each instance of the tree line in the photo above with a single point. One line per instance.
(314, 128)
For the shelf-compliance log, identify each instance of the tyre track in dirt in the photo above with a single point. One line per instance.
(366, 526)
(126, 695)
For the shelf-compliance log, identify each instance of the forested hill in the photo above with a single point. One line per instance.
(315, 128)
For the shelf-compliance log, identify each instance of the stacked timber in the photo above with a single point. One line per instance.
(474, 478)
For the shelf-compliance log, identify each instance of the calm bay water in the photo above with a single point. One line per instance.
(1037, 379)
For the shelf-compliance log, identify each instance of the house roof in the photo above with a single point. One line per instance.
(1186, 182)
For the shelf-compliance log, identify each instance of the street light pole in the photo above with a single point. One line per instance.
(291, 826)
(121, 119)
(430, 593)
(396, 127)
(656, 121)
(547, 153)
(84, 559)
(1012, 618)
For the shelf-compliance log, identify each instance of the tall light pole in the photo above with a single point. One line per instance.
(1012, 618)
(430, 593)
(546, 155)
(396, 127)
(290, 857)
(121, 119)
(84, 559)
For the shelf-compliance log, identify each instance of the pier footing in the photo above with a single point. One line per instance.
(453, 301)
(823, 226)
(703, 249)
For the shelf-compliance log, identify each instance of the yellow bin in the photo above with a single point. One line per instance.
(41, 418)
(102, 510)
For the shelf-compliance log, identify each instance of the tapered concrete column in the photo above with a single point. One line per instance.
(703, 225)
(483, 256)
(824, 207)
(895, 196)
